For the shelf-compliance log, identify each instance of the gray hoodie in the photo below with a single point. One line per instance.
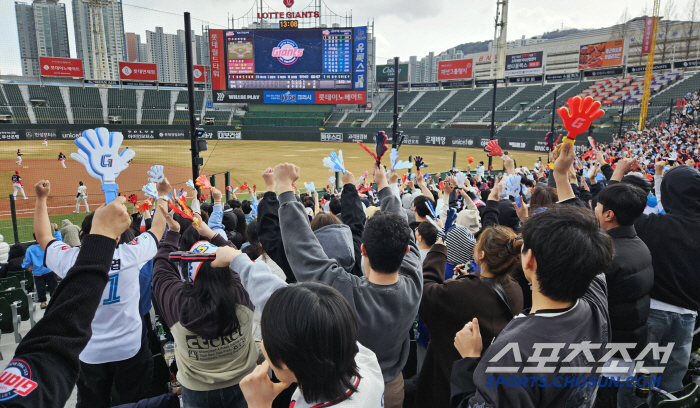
(336, 241)
(70, 233)
(385, 313)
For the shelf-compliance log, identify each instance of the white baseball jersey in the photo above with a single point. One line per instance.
(116, 328)
(82, 190)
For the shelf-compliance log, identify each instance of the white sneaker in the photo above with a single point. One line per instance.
(26, 198)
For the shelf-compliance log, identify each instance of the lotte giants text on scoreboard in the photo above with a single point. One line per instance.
(302, 66)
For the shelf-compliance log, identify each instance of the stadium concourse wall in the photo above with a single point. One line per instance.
(471, 138)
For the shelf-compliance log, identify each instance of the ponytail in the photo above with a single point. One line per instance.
(501, 248)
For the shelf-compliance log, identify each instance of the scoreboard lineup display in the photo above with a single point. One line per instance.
(300, 59)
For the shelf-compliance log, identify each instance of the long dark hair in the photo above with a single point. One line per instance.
(214, 292)
(255, 248)
(240, 223)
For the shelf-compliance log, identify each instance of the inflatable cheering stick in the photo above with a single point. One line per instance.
(379, 145)
(578, 117)
(493, 149)
(335, 162)
(397, 164)
(98, 151)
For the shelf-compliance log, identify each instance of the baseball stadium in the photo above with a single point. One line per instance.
(478, 124)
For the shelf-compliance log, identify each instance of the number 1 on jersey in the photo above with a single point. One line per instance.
(112, 297)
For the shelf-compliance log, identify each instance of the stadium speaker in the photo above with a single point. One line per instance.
(201, 145)
(199, 161)
(209, 120)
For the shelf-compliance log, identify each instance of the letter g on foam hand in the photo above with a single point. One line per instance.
(99, 153)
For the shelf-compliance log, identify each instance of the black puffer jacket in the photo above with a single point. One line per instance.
(674, 239)
(629, 279)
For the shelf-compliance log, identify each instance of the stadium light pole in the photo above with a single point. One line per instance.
(395, 126)
(493, 117)
(622, 117)
(554, 111)
(190, 98)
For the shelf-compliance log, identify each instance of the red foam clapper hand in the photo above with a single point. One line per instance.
(579, 115)
(493, 149)
(203, 183)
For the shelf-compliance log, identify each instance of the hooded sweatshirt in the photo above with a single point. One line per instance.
(70, 233)
(385, 313)
(337, 243)
(673, 240)
(205, 361)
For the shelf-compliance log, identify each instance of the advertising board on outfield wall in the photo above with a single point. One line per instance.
(509, 140)
(61, 67)
(138, 71)
(603, 54)
(455, 69)
(530, 63)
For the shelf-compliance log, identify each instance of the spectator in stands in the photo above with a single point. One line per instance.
(675, 252)
(247, 208)
(564, 254)
(51, 348)
(426, 235)
(117, 353)
(210, 307)
(34, 262)
(629, 278)
(391, 259)
(70, 233)
(15, 257)
(305, 326)
(493, 298)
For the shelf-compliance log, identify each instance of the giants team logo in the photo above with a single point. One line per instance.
(197, 73)
(287, 52)
(126, 70)
(289, 3)
(16, 380)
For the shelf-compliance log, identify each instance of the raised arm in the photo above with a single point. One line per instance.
(561, 170)
(158, 223)
(304, 253)
(51, 348)
(42, 224)
(269, 233)
(353, 216)
(256, 277)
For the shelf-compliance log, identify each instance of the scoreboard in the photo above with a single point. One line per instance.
(319, 59)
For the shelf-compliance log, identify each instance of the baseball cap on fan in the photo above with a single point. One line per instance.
(199, 247)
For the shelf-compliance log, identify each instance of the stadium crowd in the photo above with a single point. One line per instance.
(314, 300)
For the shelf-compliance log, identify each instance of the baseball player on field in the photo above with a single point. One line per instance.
(81, 198)
(62, 159)
(17, 184)
(19, 157)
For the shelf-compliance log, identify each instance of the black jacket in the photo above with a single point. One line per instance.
(47, 357)
(353, 215)
(269, 233)
(674, 239)
(629, 279)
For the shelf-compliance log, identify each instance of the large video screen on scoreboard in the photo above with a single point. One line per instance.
(290, 59)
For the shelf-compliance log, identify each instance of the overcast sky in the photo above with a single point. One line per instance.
(416, 27)
(402, 27)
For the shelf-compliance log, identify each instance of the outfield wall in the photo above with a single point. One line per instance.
(471, 138)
